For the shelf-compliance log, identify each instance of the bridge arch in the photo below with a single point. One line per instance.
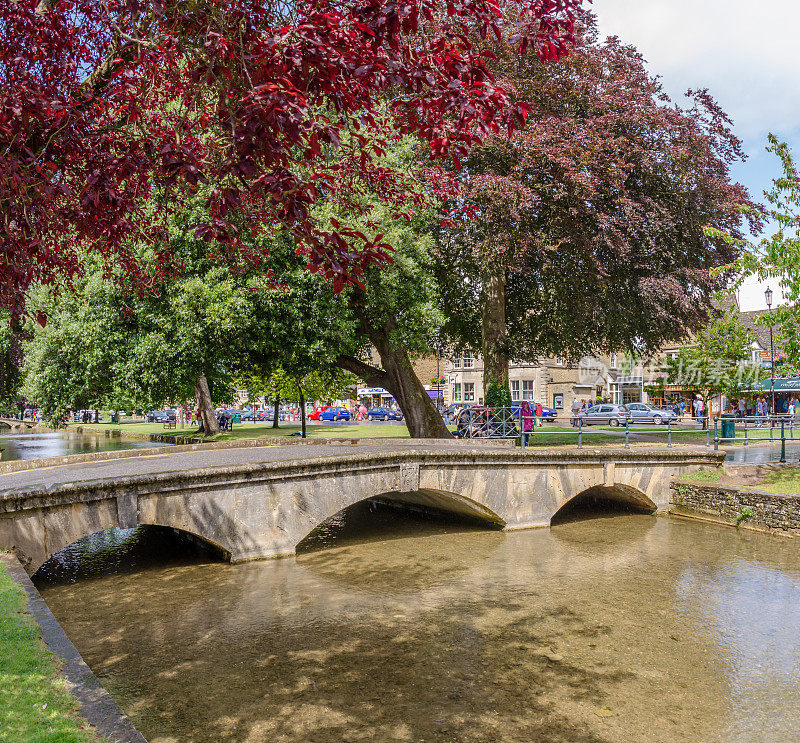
(427, 501)
(606, 498)
(135, 546)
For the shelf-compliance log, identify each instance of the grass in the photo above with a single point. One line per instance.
(704, 475)
(546, 436)
(35, 706)
(785, 481)
(261, 430)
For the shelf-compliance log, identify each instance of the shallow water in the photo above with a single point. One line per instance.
(630, 628)
(761, 453)
(57, 443)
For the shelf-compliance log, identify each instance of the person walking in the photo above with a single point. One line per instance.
(526, 417)
(575, 408)
(538, 413)
(742, 407)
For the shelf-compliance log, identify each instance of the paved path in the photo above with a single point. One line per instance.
(167, 460)
(164, 461)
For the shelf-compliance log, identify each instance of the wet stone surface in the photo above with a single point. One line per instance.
(624, 628)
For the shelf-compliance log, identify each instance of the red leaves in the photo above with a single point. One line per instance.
(274, 116)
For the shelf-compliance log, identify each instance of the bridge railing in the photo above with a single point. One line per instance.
(510, 423)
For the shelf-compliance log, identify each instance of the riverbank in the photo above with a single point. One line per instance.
(35, 704)
(763, 497)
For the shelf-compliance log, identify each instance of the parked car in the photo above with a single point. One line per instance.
(548, 414)
(335, 414)
(317, 411)
(605, 415)
(645, 413)
(384, 414)
(160, 416)
(257, 415)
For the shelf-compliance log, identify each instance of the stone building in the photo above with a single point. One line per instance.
(554, 382)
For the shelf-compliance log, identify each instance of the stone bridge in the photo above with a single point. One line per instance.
(259, 510)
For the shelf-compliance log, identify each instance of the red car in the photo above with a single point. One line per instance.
(315, 415)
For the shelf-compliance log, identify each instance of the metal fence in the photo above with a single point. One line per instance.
(509, 423)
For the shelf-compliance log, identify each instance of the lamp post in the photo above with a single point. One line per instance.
(768, 297)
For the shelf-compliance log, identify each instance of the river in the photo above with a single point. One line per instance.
(58, 443)
(628, 628)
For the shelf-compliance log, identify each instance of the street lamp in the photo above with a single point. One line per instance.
(768, 297)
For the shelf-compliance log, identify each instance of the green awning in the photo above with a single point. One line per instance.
(781, 385)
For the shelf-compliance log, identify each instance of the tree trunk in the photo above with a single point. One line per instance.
(205, 407)
(494, 332)
(302, 410)
(276, 412)
(397, 376)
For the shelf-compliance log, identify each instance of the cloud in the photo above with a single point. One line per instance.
(744, 52)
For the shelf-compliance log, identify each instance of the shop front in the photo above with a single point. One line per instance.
(786, 389)
(374, 397)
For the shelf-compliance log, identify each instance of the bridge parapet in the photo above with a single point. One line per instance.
(259, 510)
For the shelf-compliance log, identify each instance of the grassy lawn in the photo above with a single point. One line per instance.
(35, 706)
(785, 480)
(263, 430)
(704, 475)
(544, 436)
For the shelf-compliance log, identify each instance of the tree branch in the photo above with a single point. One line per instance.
(370, 374)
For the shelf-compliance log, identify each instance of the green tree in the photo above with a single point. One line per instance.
(716, 361)
(586, 227)
(396, 309)
(778, 255)
(10, 363)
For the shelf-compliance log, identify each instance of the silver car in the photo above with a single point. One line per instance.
(645, 413)
(605, 414)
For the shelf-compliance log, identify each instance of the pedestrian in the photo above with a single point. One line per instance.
(538, 414)
(526, 416)
(742, 407)
(576, 408)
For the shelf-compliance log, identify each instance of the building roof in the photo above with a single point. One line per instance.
(761, 332)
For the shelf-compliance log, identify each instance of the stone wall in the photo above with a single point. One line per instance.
(752, 508)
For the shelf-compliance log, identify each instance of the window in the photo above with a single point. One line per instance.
(469, 362)
(559, 361)
(527, 389)
(457, 392)
(469, 391)
(515, 389)
(456, 363)
(672, 355)
(613, 361)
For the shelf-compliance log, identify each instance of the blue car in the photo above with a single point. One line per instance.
(335, 414)
(548, 414)
(384, 414)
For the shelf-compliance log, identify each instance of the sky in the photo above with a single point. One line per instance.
(744, 52)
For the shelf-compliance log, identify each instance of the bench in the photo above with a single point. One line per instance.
(170, 424)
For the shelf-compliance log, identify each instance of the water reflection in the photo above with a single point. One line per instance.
(59, 443)
(624, 629)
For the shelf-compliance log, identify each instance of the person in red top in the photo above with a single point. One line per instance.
(526, 415)
(537, 421)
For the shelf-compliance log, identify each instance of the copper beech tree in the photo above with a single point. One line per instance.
(106, 104)
(592, 220)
